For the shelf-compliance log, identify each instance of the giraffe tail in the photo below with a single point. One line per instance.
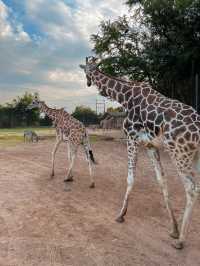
(92, 157)
(90, 152)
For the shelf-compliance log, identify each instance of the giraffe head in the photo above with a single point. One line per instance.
(36, 103)
(90, 66)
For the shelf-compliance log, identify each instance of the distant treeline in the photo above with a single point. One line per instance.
(16, 114)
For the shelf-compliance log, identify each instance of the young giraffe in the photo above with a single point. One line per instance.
(70, 130)
(152, 116)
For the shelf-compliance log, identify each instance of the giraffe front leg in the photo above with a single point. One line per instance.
(192, 192)
(58, 141)
(132, 158)
(160, 177)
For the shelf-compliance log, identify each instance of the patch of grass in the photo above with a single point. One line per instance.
(20, 131)
(94, 138)
(10, 140)
(13, 136)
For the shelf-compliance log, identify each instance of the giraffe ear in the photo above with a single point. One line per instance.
(91, 60)
(36, 97)
(82, 66)
(94, 59)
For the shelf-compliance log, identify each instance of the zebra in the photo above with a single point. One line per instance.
(30, 136)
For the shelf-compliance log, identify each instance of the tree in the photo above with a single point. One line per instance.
(115, 110)
(159, 42)
(16, 114)
(24, 116)
(120, 48)
(85, 115)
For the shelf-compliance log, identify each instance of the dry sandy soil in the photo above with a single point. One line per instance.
(43, 225)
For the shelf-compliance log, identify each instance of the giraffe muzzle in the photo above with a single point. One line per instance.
(89, 83)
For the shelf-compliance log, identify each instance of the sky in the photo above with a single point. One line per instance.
(42, 43)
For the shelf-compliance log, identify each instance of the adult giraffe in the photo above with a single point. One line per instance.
(152, 116)
(70, 130)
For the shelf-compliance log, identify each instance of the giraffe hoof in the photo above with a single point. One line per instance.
(92, 185)
(70, 179)
(67, 189)
(178, 245)
(174, 234)
(120, 219)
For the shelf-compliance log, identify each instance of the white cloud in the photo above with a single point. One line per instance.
(53, 17)
(91, 13)
(70, 76)
(7, 30)
(47, 59)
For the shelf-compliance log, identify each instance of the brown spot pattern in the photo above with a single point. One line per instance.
(145, 92)
(151, 98)
(118, 87)
(111, 83)
(104, 81)
(192, 128)
(128, 95)
(178, 131)
(120, 98)
(187, 135)
(130, 103)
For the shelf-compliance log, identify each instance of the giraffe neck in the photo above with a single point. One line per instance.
(113, 88)
(50, 112)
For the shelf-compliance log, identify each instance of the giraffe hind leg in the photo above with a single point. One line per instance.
(69, 178)
(73, 156)
(197, 162)
(192, 192)
(160, 177)
(87, 153)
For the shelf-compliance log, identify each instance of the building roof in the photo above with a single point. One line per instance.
(117, 114)
(114, 114)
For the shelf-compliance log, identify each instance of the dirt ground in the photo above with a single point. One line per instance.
(43, 225)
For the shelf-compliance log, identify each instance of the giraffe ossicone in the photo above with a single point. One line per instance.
(70, 130)
(153, 118)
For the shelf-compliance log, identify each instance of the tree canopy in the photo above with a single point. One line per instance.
(86, 115)
(16, 114)
(115, 109)
(159, 41)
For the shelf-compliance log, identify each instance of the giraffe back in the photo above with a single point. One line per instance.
(71, 129)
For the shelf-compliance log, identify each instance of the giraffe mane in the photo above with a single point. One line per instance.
(134, 82)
